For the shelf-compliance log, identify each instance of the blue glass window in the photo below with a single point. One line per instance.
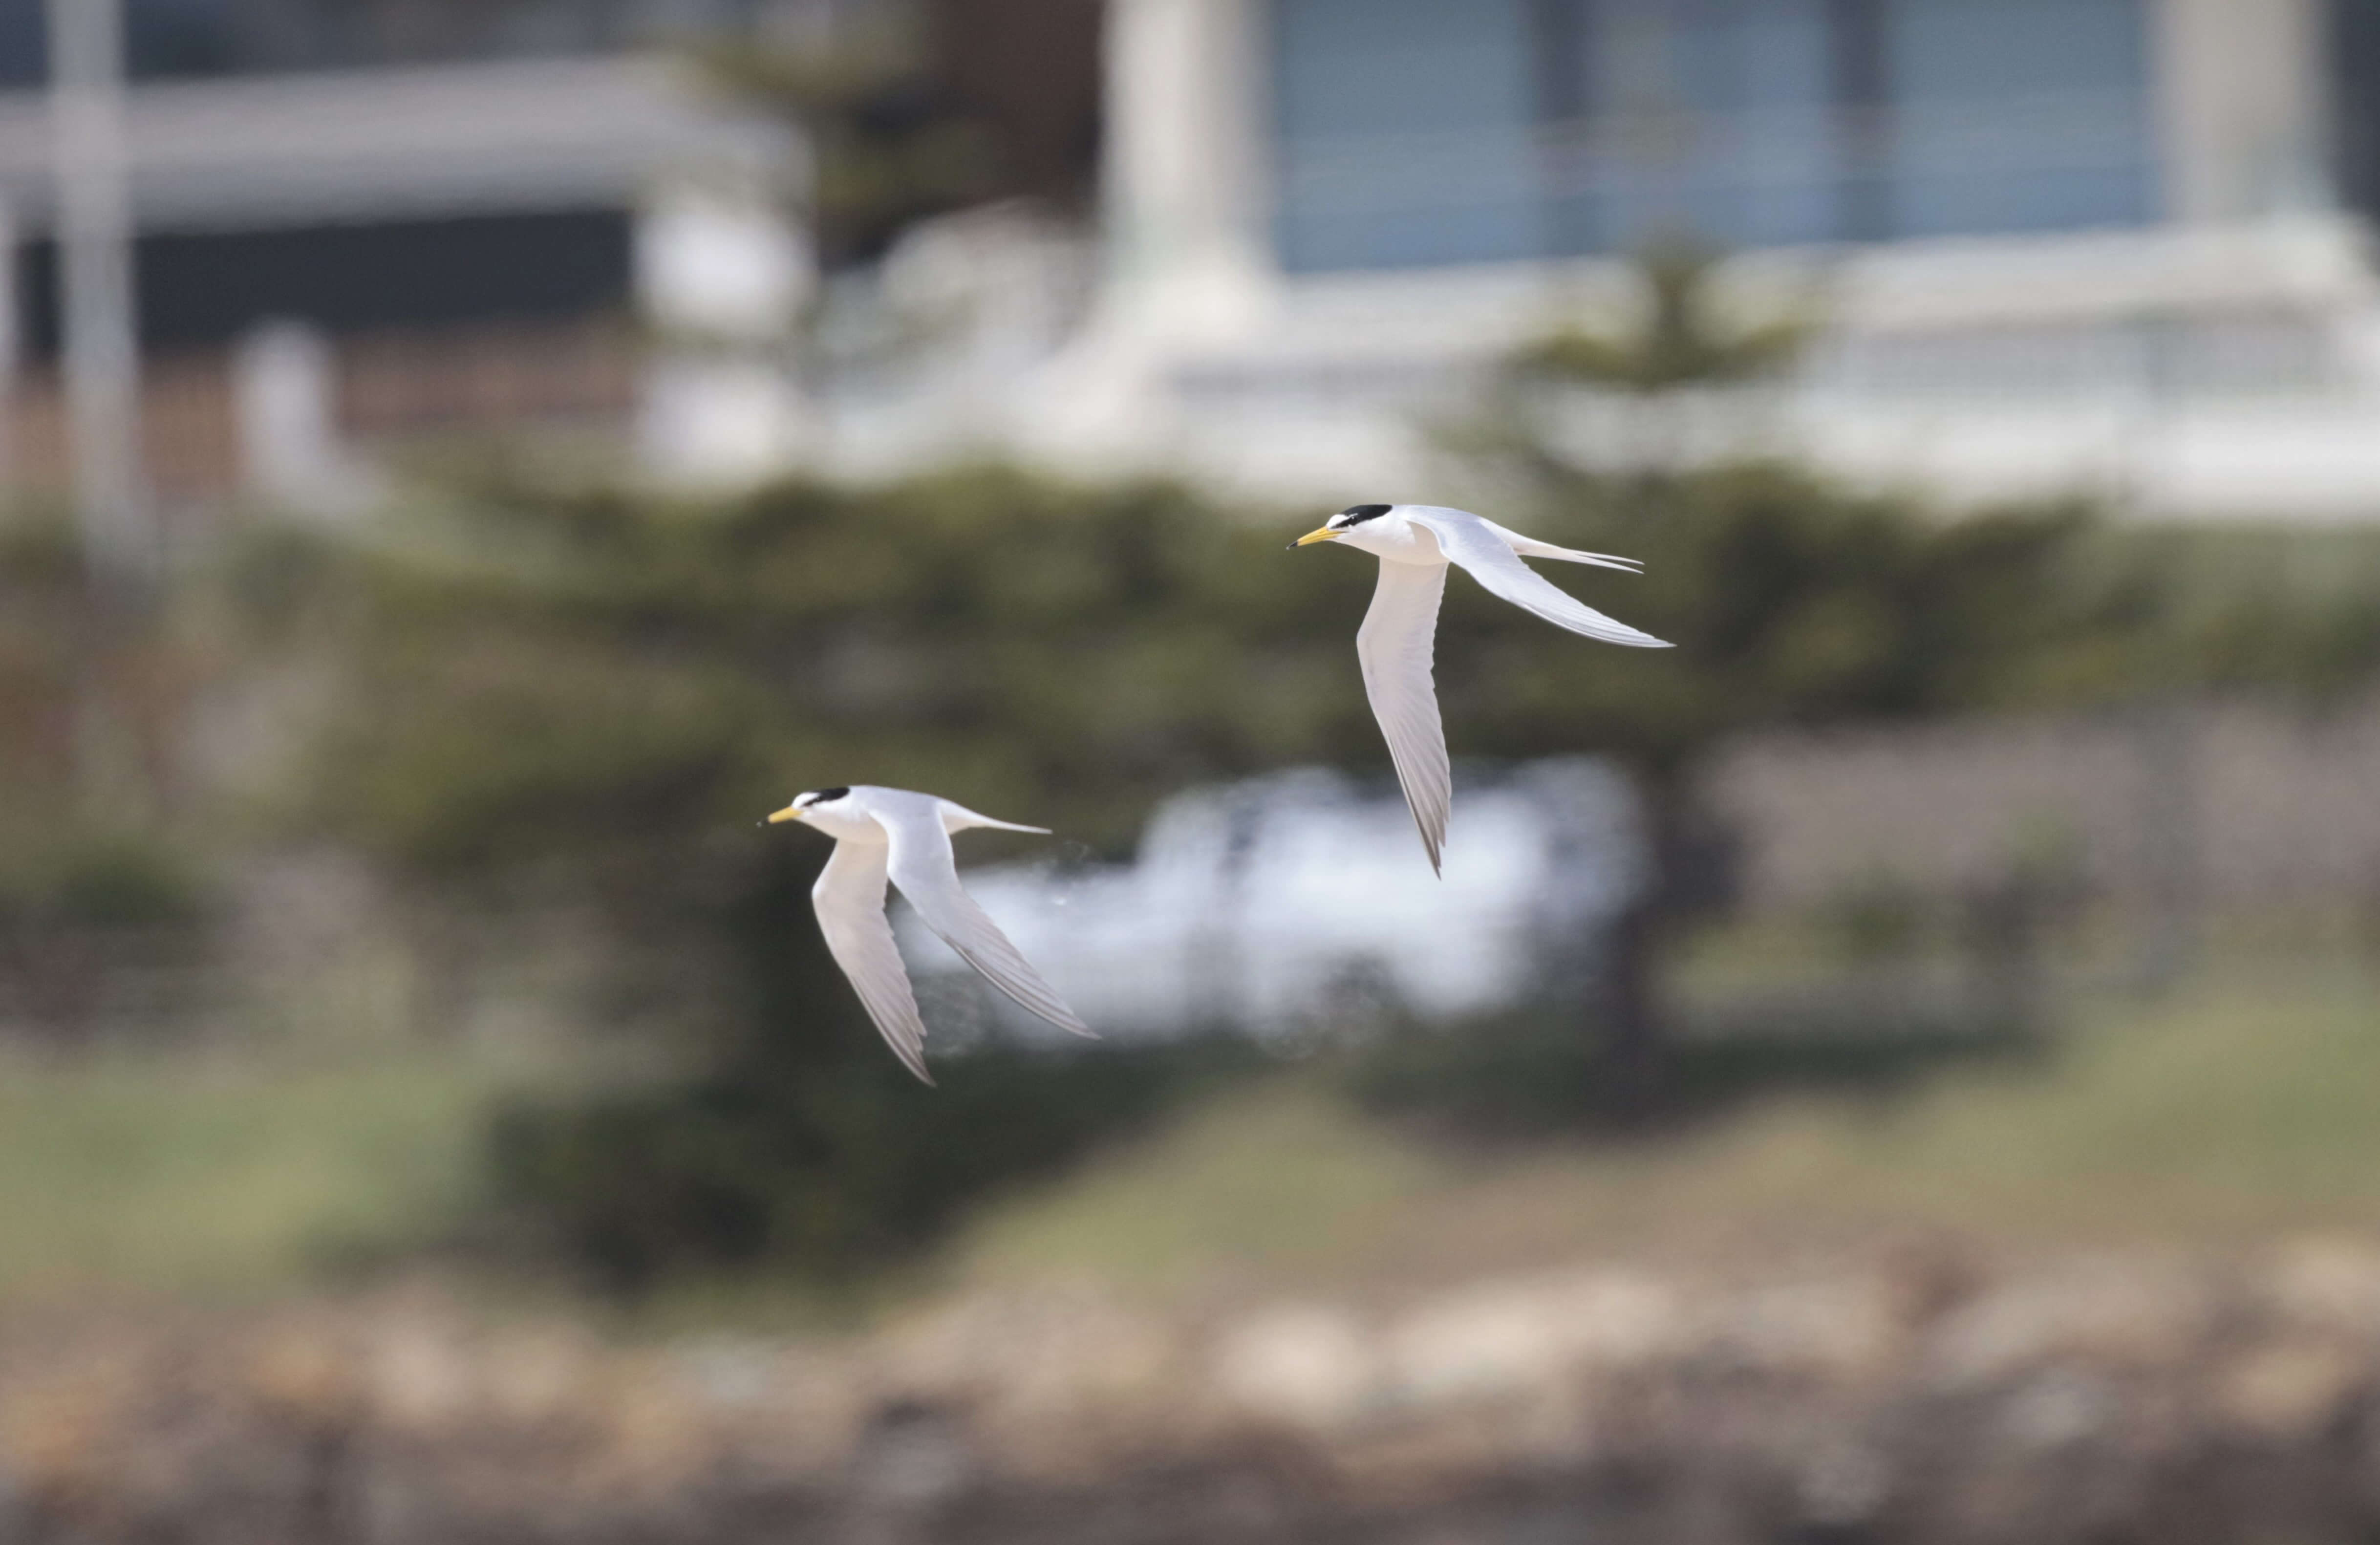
(2017, 115)
(1418, 132)
(1708, 117)
(1406, 133)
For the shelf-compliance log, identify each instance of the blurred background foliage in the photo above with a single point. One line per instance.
(549, 691)
(1937, 994)
(684, 666)
(594, 695)
(529, 696)
(93, 695)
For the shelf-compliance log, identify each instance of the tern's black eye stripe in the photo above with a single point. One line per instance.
(1355, 515)
(826, 794)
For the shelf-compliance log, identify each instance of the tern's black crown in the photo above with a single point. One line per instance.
(1355, 515)
(824, 794)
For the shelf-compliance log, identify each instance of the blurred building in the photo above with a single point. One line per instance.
(370, 226)
(2116, 244)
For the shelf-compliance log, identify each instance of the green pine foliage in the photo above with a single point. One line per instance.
(596, 695)
(531, 674)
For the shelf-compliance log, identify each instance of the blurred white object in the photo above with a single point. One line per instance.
(999, 287)
(284, 391)
(1308, 1364)
(721, 261)
(1265, 905)
(1186, 155)
(940, 351)
(715, 421)
(723, 275)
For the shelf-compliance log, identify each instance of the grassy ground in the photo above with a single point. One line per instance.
(2248, 1107)
(209, 1174)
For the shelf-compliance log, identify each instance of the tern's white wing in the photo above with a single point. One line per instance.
(1530, 547)
(1469, 540)
(849, 896)
(923, 867)
(1394, 645)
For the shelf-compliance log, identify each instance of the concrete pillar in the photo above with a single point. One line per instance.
(102, 344)
(1185, 185)
(2240, 108)
(11, 350)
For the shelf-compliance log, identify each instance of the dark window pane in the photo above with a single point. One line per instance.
(2355, 76)
(207, 288)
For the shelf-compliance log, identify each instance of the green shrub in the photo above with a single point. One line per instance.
(822, 1163)
(104, 880)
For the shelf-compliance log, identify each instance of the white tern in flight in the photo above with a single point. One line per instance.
(892, 834)
(1415, 544)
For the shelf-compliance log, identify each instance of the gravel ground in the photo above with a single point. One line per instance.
(1909, 1393)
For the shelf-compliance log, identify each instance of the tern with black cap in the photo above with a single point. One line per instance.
(892, 834)
(1415, 544)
